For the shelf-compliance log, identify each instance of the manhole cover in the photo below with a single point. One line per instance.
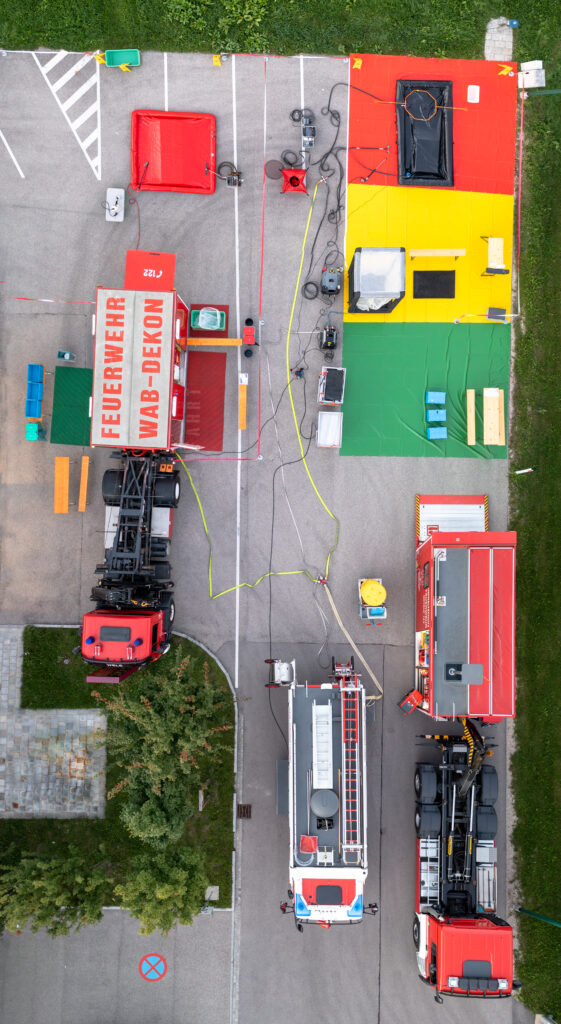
(244, 810)
(273, 169)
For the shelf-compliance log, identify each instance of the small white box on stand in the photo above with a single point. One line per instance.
(115, 204)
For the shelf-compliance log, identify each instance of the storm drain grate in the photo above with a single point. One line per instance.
(244, 810)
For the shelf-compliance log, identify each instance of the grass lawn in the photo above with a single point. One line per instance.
(54, 678)
(536, 514)
(435, 28)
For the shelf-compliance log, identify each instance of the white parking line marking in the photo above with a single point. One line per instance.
(80, 92)
(71, 72)
(91, 138)
(84, 117)
(238, 327)
(5, 141)
(92, 113)
(165, 81)
(55, 60)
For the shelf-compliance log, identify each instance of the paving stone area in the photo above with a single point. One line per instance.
(498, 40)
(52, 763)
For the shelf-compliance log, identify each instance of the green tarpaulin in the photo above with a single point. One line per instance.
(391, 366)
(71, 406)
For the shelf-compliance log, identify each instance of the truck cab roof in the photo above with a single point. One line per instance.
(113, 637)
(476, 953)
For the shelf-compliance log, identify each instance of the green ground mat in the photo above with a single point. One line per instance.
(71, 419)
(389, 368)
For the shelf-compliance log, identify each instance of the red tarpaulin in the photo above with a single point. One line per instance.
(173, 151)
(206, 382)
(483, 118)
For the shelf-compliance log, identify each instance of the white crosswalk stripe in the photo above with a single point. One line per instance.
(74, 87)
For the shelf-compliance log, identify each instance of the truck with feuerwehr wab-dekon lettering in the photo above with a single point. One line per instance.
(138, 408)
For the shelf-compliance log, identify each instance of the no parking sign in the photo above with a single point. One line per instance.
(152, 967)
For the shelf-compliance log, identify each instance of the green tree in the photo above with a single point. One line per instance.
(164, 732)
(164, 889)
(158, 817)
(59, 893)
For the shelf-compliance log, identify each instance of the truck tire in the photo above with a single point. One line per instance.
(426, 783)
(168, 607)
(167, 490)
(486, 822)
(162, 571)
(488, 785)
(416, 933)
(427, 821)
(111, 486)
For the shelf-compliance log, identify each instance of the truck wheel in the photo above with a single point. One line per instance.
(168, 606)
(486, 822)
(426, 783)
(162, 571)
(111, 486)
(427, 821)
(489, 785)
(416, 933)
(167, 490)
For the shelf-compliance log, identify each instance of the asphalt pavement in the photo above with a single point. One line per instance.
(248, 965)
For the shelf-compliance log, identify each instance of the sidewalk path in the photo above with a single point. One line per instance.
(52, 764)
(498, 40)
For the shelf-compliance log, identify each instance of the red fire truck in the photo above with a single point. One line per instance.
(464, 614)
(138, 407)
(463, 948)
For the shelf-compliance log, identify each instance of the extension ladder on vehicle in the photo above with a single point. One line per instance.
(350, 811)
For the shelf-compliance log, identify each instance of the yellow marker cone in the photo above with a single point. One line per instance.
(217, 60)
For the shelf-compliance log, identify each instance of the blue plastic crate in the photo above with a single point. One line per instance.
(33, 408)
(437, 433)
(436, 415)
(435, 398)
(35, 373)
(34, 390)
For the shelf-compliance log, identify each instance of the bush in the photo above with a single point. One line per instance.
(59, 893)
(165, 889)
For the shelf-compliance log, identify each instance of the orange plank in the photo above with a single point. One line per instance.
(82, 500)
(214, 341)
(242, 401)
(62, 475)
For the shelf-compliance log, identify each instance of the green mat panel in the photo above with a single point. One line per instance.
(389, 368)
(71, 404)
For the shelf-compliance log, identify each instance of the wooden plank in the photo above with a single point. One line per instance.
(242, 401)
(491, 416)
(62, 476)
(470, 403)
(495, 253)
(502, 439)
(213, 342)
(83, 498)
(437, 252)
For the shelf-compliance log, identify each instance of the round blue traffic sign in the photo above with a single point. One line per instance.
(152, 967)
